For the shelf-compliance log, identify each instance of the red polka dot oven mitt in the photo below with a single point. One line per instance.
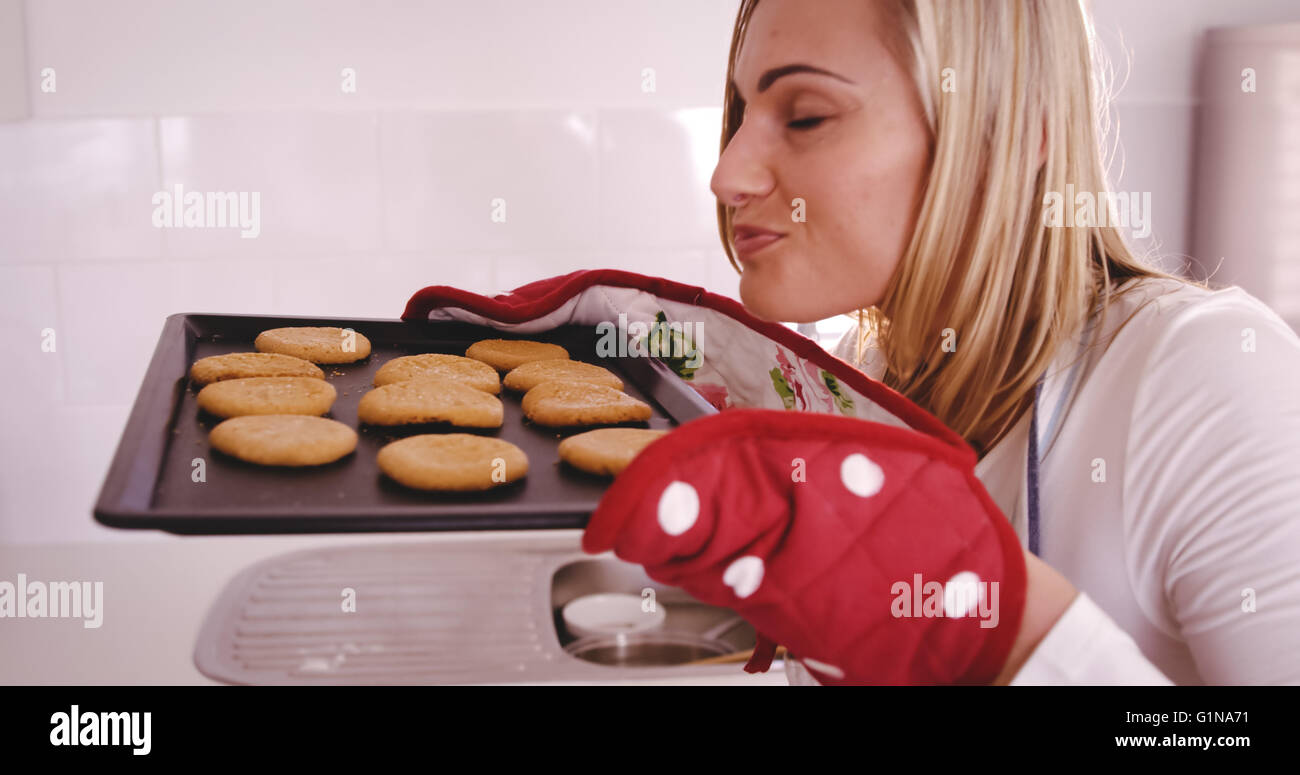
(871, 552)
(838, 518)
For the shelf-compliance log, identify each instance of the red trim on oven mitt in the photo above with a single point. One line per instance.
(817, 529)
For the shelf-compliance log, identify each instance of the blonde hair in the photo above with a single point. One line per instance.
(980, 260)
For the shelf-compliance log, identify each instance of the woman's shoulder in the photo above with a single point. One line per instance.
(1191, 353)
(1207, 411)
(1167, 347)
(1148, 313)
(1157, 311)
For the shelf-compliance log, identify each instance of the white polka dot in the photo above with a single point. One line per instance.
(744, 575)
(962, 594)
(863, 477)
(822, 667)
(678, 507)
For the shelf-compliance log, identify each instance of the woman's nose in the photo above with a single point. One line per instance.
(739, 177)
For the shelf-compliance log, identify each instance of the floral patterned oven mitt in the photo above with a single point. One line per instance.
(834, 515)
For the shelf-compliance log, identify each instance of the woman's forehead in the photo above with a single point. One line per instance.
(839, 37)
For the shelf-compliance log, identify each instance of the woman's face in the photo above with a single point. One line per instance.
(852, 145)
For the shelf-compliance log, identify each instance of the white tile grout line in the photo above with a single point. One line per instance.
(164, 243)
(24, 23)
(381, 210)
(61, 391)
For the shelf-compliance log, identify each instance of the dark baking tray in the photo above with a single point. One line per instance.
(149, 483)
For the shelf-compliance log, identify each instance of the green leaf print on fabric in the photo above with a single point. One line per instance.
(782, 388)
(673, 346)
(845, 403)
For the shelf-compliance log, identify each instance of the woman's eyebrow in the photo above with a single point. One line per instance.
(770, 77)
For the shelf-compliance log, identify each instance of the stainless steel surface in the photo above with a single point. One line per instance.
(646, 649)
(431, 613)
(716, 632)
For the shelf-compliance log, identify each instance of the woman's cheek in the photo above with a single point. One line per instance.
(877, 237)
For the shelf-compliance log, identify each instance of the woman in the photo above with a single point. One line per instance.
(894, 158)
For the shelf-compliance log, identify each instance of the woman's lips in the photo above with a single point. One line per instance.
(746, 247)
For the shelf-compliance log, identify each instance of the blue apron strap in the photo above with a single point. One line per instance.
(1032, 470)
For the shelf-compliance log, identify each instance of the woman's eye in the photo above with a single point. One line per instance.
(805, 124)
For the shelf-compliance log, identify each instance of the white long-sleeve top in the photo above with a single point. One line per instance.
(1169, 493)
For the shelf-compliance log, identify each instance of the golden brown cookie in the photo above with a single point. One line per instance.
(563, 403)
(318, 344)
(476, 374)
(453, 462)
(533, 373)
(430, 399)
(606, 451)
(215, 368)
(267, 395)
(507, 354)
(284, 439)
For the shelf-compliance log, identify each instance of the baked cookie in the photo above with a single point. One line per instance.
(215, 368)
(507, 354)
(267, 395)
(606, 451)
(318, 344)
(562, 403)
(284, 439)
(452, 462)
(430, 399)
(533, 373)
(476, 374)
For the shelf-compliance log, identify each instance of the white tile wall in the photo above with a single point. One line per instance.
(114, 312)
(51, 471)
(29, 305)
(490, 180)
(141, 57)
(376, 286)
(316, 175)
(655, 168)
(78, 189)
(1159, 40)
(1152, 46)
(13, 62)
(1155, 155)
